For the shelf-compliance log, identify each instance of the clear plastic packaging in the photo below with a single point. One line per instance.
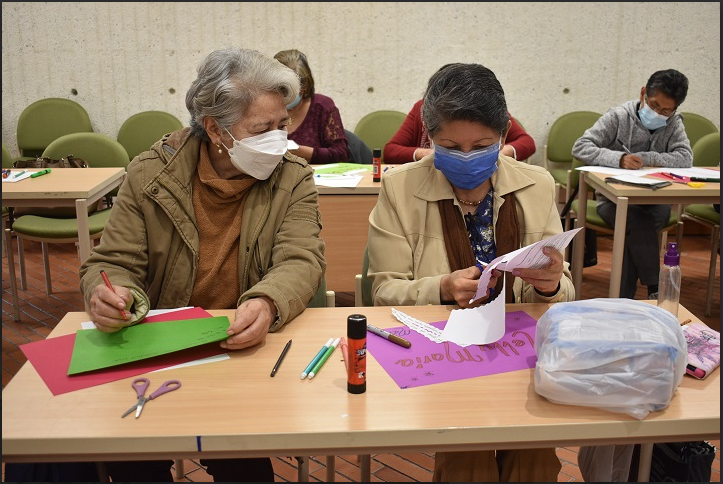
(619, 355)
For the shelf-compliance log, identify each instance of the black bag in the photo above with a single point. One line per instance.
(52, 472)
(677, 462)
(44, 162)
(590, 257)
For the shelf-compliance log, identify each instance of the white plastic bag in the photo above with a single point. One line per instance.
(615, 354)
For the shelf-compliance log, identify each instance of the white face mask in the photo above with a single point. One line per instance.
(258, 155)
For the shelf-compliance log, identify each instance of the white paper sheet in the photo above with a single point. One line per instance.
(618, 171)
(335, 180)
(12, 178)
(524, 258)
(477, 326)
(292, 145)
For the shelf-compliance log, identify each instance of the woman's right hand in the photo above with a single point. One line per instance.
(105, 305)
(461, 286)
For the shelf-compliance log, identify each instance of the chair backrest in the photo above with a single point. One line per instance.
(99, 150)
(377, 128)
(322, 297)
(366, 283)
(706, 151)
(360, 152)
(138, 133)
(697, 126)
(7, 157)
(564, 131)
(47, 120)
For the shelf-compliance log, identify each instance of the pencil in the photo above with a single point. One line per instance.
(344, 352)
(281, 358)
(685, 322)
(110, 286)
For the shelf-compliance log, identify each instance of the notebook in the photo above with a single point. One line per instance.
(703, 349)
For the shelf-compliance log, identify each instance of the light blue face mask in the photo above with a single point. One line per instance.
(294, 103)
(467, 170)
(650, 119)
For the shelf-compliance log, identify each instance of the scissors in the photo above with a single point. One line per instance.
(141, 385)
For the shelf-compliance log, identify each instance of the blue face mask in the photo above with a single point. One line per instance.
(467, 170)
(650, 119)
(293, 103)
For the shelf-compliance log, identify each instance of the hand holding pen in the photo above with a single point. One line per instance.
(106, 311)
(630, 161)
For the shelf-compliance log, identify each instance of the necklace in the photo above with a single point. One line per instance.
(465, 202)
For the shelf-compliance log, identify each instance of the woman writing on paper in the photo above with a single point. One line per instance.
(465, 204)
(217, 215)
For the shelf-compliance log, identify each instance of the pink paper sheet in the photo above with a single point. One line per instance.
(51, 358)
(426, 362)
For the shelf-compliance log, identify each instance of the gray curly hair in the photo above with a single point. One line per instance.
(228, 82)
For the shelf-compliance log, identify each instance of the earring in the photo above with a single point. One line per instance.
(220, 151)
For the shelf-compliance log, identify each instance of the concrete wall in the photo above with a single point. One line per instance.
(118, 59)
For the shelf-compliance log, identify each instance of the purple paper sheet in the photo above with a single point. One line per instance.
(426, 362)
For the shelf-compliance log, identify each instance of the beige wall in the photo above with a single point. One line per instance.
(550, 57)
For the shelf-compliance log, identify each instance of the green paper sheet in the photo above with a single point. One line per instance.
(341, 168)
(94, 349)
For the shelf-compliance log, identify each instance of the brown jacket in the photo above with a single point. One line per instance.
(151, 243)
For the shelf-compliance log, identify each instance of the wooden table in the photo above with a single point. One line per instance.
(233, 408)
(345, 229)
(622, 196)
(66, 187)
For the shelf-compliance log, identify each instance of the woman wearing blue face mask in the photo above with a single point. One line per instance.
(436, 220)
(314, 120)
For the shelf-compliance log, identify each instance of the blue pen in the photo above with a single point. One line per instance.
(679, 177)
(316, 358)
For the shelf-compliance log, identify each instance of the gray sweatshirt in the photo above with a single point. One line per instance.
(602, 144)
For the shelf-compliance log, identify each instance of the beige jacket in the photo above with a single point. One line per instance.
(407, 256)
(151, 241)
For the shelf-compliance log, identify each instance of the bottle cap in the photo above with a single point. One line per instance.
(672, 258)
(356, 326)
(376, 153)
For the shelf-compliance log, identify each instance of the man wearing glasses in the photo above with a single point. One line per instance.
(645, 132)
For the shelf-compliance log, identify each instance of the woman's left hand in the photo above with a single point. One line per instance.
(251, 323)
(547, 279)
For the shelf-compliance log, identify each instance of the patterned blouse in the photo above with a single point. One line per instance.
(323, 130)
(481, 231)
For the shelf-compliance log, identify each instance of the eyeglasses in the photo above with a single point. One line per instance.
(655, 107)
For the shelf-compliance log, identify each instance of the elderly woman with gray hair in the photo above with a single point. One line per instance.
(218, 215)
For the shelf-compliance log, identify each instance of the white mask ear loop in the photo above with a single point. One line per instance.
(224, 144)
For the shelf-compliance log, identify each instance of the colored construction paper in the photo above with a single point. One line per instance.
(51, 358)
(95, 349)
(427, 362)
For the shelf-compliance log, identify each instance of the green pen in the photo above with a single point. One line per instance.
(323, 359)
(40, 173)
(18, 174)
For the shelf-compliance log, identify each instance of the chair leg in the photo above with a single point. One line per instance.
(46, 266)
(365, 468)
(714, 244)
(302, 469)
(330, 468)
(11, 274)
(21, 263)
(178, 464)
(679, 235)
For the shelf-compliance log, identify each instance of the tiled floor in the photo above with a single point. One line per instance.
(41, 312)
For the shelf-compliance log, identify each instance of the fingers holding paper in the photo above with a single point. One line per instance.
(545, 279)
(462, 285)
(251, 323)
(104, 307)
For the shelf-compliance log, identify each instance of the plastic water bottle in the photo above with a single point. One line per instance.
(669, 282)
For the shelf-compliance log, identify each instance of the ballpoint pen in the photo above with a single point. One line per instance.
(40, 173)
(323, 359)
(627, 150)
(281, 358)
(678, 177)
(389, 336)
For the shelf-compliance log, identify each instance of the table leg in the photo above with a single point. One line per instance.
(365, 468)
(621, 218)
(646, 460)
(330, 468)
(11, 273)
(578, 248)
(81, 214)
